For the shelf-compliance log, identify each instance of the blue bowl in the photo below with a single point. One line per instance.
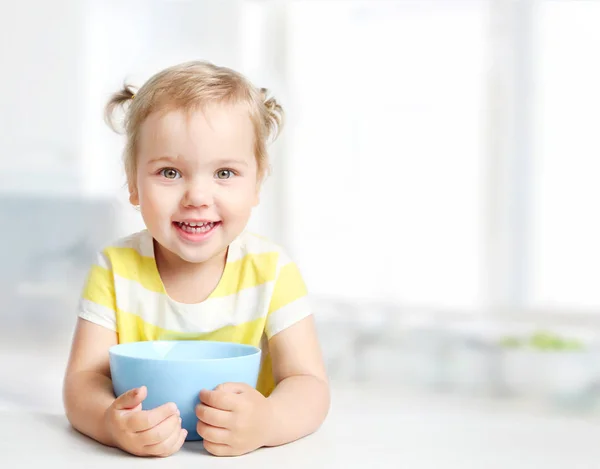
(176, 371)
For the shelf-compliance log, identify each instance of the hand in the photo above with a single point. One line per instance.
(232, 419)
(155, 432)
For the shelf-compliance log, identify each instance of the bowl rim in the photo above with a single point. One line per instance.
(114, 350)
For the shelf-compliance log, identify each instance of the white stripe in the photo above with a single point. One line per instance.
(102, 261)
(287, 316)
(212, 314)
(140, 242)
(143, 243)
(250, 243)
(284, 260)
(97, 314)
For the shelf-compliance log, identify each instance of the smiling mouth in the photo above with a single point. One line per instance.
(200, 227)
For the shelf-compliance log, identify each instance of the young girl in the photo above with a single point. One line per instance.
(195, 158)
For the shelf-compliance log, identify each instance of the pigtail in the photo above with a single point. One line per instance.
(119, 100)
(275, 117)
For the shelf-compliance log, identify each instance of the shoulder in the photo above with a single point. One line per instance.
(259, 254)
(252, 245)
(131, 249)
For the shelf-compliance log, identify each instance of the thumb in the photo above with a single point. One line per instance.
(131, 398)
(237, 388)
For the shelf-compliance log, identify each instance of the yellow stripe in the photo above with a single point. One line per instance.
(100, 287)
(247, 272)
(266, 380)
(130, 264)
(288, 288)
(132, 328)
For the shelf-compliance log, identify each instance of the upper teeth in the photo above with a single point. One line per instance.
(196, 224)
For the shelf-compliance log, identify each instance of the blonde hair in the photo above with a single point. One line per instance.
(189, 86)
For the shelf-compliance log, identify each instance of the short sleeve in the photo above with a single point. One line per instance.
(289, 302)
(98, 303)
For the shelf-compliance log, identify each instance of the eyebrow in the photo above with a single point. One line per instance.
(226, 162)
(166, 159)
(171, 159)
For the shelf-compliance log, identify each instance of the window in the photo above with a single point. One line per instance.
(565, 234)
(386, 149)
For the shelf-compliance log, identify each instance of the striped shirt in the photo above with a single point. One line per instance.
(260, 293)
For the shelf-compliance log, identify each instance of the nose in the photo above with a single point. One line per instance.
(197, 194)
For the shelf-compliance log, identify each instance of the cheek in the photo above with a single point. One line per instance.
(242, 199)
(156, 196)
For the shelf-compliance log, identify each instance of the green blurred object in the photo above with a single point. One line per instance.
(543, 340)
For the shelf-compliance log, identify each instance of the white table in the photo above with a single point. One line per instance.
(366, 429)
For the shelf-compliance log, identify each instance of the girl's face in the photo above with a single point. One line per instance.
(196, 180)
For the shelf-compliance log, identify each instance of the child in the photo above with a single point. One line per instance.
(195, 158)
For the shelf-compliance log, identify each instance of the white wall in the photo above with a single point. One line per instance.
(41, 94)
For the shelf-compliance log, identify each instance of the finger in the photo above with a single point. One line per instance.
(212, 416)
(147, 419)
(160, 432)
(168, 447)
(213, 434)
(131, 398)
(218, 449)
(236, 388)
(219, 399)
(177, 446)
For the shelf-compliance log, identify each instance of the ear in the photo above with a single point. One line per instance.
(134, 199)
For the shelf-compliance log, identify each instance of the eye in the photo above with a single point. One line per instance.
(170, 173)
(225, 174)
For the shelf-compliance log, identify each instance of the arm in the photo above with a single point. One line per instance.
(92, 409)
(235, 418)
(90, 404)
(87, 389)
(300, 401)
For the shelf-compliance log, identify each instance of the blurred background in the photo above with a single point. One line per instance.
(436, 180)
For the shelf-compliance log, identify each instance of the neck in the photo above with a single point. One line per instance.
(173, 265)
